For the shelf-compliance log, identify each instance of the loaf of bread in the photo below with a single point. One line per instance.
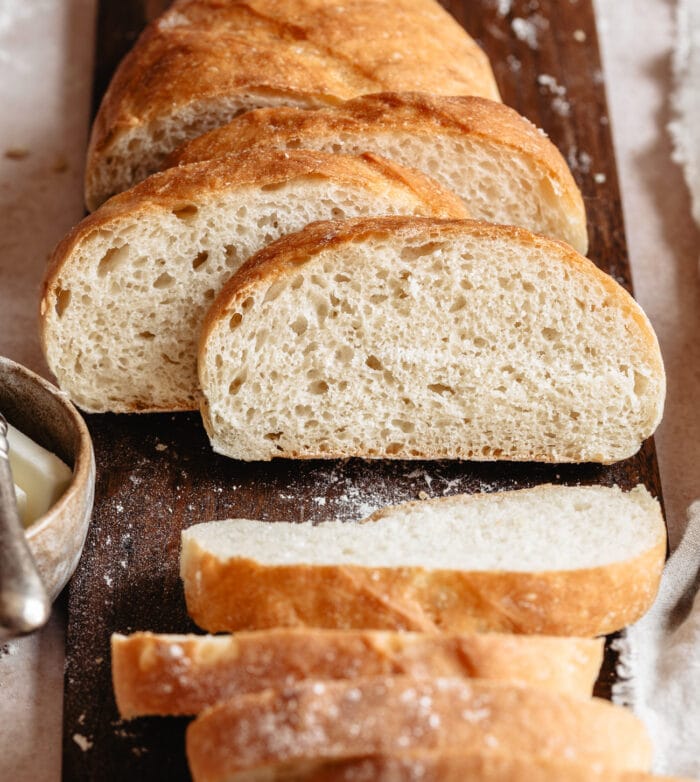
(502, 166)
(317, 722)
(554, 560)
(204, 61)
(415, 338)
(456, 766)
(183, 674)
(127, 289)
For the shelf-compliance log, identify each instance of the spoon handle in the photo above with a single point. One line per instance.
(24, 604)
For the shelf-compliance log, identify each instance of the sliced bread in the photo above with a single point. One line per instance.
(183, 674)
(255, 736)
(503, 167)
(554, 560)
(456, 766)
(204, 61)
(416, 338)
(127, 289)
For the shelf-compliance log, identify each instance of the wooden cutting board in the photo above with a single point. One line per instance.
(157, 475)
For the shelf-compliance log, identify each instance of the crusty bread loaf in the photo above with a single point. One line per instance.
(554, 560)
(455, 766)
(504, 168)
(250, 736)
(204, 61)
(415, 338)
(127, 289)
(182, 674)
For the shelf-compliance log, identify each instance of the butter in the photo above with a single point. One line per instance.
(39, 474)
(21, 497)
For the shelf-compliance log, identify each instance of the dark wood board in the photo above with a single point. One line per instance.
(157, 475)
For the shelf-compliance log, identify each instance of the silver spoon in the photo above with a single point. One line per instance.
(24, 604)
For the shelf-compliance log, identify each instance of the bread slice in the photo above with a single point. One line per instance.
(183, 674)
(204, 61)
(127, 289)
(456, 766)
(256, 736)
(503, 167)
(554, 560)
(415, 338)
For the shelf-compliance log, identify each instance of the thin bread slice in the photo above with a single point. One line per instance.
(503, 167)
(204, 61)
(415, 338)
(316, 722)
(127, 289)
(183, 674)
(553, 560)
(456, 766)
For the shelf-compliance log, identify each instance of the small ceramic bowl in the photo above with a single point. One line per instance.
(44, 413)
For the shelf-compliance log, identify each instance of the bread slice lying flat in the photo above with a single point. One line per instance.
(554, 560)
(204, 61)
(316, 722)
(503, 167)
(456, 766)
(127, 289)
(183, 674)
(415, 338)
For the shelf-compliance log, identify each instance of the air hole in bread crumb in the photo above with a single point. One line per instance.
(247, 304)
(112, 259)
(200, 260)
(147, 335)
(300, 325)
(318, 387)
(430, 248)
(163, 280)
(274, 436)
(235, 321)
(378, 298)
(641, 384)
(237, 382)
(459, 303)
(62, 301)
(344, 354)
(341, 278)
(440, 388)
(185, 212)
(374, 363)
(231, 257)
(466, 285)
(552, 335)
(404, 426)
(394, 448)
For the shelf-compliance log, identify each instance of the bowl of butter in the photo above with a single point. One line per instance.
(53, 468)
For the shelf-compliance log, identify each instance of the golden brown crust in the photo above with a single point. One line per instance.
(240, 594)
(320, 722)
(183, 674)
(308, 52)
(456, 766)
(421, 115)
(288, 254)
(197, 184)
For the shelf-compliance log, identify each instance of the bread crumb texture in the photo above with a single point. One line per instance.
(416, 339)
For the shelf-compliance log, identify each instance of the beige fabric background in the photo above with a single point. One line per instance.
(45, 62)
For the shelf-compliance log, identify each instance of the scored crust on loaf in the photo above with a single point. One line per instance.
(553, 560)
(183, 674)
(321, 721)
(415, 338)
(504, 168)
(456, 766)
(127, 289)
(204, 61)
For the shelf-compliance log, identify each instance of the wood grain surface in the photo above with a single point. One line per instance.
(157, 474)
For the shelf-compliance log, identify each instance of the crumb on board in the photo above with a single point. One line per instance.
(82, 741)
(579, 36)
